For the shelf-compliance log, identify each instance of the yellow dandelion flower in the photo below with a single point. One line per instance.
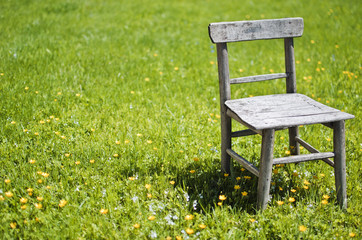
(48, 187)
(139, 135)
(312, 41)
(62, 203)
(280, 203)
(63, 137)
(178, 238)
(147, 79)
(78, 94)
(189, 217)
(149, 141)
(137, 225)
(29, 190)
(291, 199)
(172, 182)
(9, 194)
(40, 181)
(40, 198)
(275, 171)
(2, 198)
(36, 134)
(308, 59)
(57, 133)
(77, 162)
(244, 193)
(293, 190)
(23, 200)
(217, 116)
(352, 234)
(13, 225)
(67, 154)
(325, 196)
(306, 182)
(7, 181)
(305, 187)
(189, 231)
(25, 130)
(23, 207)
(212, 62)
(44, 174)
(297, 62)
(103, 211)
(247, 177)
(118, 142)
(324, 201)
(287, 152)
(38, 205)
(149, 195)
(148, 186)
(302, 228)
(132, 92)
(151, 218)
(131, 178)
(242, 169)
(59, 93)
(181, 151)
(252, 220)
(336, 46)
(93, 130)
(115, 155)
(238, 178)
(41, 121)
(236, 187)
(126, 141)
(222, 197)
(226, 174)
(91, 161)
(219, 203)
(192, 171)
(202, 226)
(280, 189)
(176, 68)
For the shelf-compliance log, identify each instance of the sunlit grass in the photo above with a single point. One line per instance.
(110, 124)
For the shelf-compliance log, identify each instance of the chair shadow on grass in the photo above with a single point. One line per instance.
(205, 186)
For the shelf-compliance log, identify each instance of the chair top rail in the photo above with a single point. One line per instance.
(258, 78)
(224, 32)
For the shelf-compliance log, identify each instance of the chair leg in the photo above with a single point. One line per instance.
(340, 163)
(293, 144)
(225, 142)
(266, 165)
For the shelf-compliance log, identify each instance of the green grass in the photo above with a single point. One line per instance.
(133, 86)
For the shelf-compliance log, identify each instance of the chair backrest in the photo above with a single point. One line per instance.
(225, 32)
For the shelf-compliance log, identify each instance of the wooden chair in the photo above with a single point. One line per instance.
(264, 115)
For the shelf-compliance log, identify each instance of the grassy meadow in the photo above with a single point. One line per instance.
(110, 125)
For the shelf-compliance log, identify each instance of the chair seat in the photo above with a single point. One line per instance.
(282, 110)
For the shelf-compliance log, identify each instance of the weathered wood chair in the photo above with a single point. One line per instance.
(264, 115)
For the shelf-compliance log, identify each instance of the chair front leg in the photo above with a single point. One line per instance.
(339, 145)
(266, 165)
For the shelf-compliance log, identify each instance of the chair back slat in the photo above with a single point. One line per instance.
(258, 78)
(255, 30)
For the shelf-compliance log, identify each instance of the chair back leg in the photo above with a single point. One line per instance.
(225, 142)
(339, 145)
(293, 144)
(266, 166)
